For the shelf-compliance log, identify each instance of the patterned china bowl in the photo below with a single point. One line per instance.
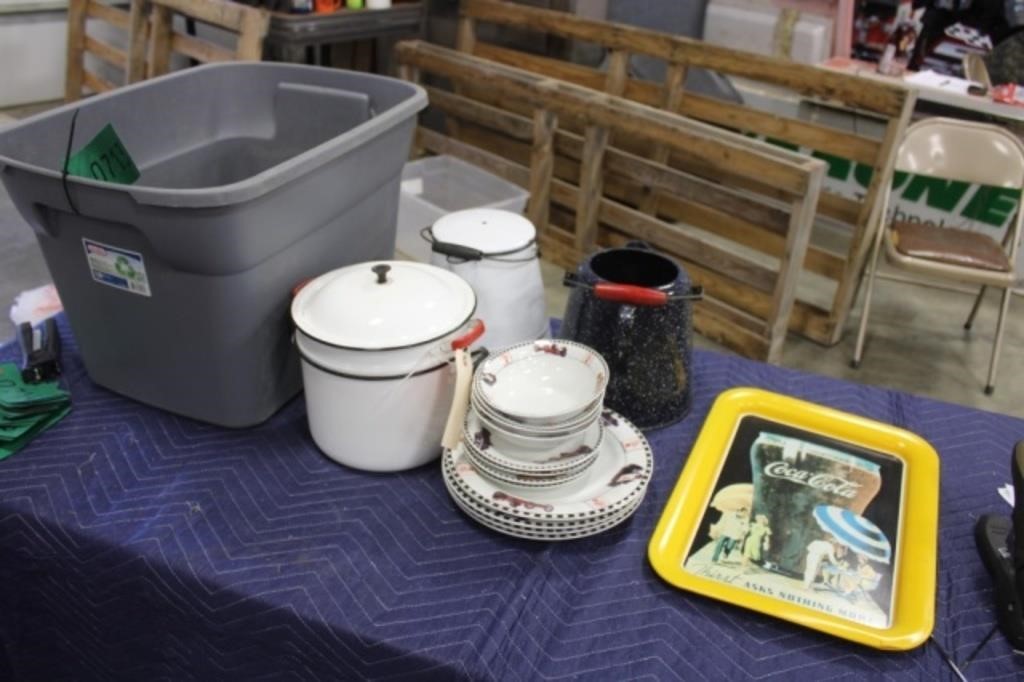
(504, 423)
(542, 383)
(546, 457)
(531, 447)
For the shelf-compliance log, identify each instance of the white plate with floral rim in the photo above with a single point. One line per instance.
(614, 481)
(465, 498)
(522, 479)
(478, 437)
(512, 501)
(544, 382)
(465, 501)
(535, 530)
(543, 534)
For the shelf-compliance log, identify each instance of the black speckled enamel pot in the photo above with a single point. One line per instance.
(634, 306)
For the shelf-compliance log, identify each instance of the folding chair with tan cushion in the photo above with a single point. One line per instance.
(953, 149)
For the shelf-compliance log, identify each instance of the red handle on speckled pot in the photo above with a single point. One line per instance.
(631, 294)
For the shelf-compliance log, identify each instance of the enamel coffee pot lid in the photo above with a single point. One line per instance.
(489, 230)
(383, 305)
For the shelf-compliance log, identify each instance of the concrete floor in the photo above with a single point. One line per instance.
(916, 342)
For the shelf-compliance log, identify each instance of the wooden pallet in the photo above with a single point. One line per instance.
(81, 80)
(250, 24)
(584, 192)
(889, 103)
(151, 39)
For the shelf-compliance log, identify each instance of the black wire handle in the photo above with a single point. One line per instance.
(67, 160)
(457, 253)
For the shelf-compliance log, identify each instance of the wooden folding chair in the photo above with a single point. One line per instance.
(249, 23)
(80, 44)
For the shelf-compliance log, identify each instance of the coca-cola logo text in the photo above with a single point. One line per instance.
(828, 483)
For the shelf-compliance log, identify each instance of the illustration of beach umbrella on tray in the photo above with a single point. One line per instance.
(854, 531)
(734, 497)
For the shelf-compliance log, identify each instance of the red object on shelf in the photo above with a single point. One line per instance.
(1010, 93)
(328, 6)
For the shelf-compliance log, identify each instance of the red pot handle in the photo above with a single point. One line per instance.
(631, 294)
(467, 339)
(300, 285)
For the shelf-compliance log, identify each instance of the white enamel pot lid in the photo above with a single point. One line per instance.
(383, 305)
(488, 230)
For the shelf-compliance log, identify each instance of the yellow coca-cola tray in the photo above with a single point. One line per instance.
(816, 516)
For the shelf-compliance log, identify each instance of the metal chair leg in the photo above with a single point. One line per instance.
(862, 331)
(997, 346)
(974, 308)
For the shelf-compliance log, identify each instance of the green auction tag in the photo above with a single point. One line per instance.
(104, 158)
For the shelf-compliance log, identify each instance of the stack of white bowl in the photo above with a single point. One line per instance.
(540, 457)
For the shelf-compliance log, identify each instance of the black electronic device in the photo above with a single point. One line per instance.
(1001, 544)
(41, 354)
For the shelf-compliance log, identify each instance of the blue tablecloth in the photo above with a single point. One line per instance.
(138, 545)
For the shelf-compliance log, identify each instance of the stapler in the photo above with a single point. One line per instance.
(41, 354)
(1001, 543)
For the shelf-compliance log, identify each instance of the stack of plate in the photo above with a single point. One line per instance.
(540, 457)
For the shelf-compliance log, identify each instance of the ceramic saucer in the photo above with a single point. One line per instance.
(618, 476)
(519, 479)
(519, 528)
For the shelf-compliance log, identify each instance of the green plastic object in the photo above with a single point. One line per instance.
(104, 158)
(26, 410)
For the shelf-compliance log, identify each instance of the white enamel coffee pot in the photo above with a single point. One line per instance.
(496, 252)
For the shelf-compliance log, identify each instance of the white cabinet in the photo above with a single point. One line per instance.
(32, 51)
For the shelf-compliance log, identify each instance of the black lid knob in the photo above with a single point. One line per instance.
(381, 271)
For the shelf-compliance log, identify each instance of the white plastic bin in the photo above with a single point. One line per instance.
(436, 186)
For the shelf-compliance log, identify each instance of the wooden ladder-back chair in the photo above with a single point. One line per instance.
(80, 44)
(249, 23)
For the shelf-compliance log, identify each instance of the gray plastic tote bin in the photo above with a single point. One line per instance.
(254, 176)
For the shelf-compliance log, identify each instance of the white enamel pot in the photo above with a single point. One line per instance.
(496, 252)
(376, 340)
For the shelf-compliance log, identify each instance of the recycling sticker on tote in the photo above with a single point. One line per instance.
(118, 268)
